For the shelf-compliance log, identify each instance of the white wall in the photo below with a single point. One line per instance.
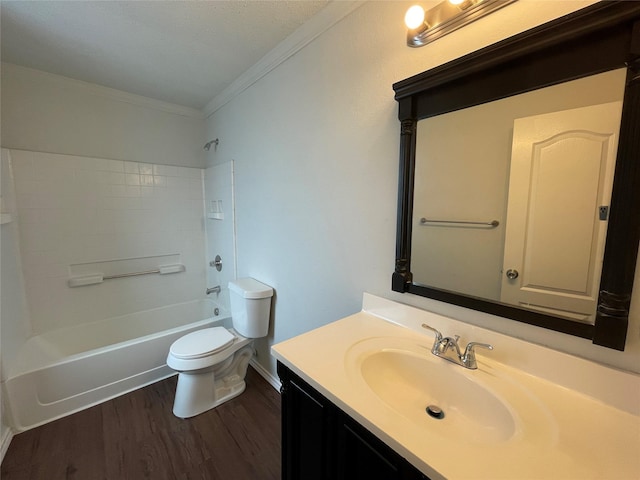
(15, 321)
(48, 113)
(83, 196)
(315, 145)
(76, 210)
(220, 231)
(13, 303)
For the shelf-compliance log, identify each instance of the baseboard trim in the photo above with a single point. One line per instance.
(5, 442)
(264, 373)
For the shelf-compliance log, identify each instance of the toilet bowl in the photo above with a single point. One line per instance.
(212, 363)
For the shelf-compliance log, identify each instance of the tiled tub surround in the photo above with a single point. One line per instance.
(82, 345)
(573, 418)
(74, 210)
(220, 231)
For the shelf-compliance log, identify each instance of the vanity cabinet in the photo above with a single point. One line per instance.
(321, 442)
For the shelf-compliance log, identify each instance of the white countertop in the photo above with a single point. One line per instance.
(580, 424)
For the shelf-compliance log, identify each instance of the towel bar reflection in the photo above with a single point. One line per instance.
(492, 223)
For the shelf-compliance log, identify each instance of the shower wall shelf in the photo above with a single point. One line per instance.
(215, 210)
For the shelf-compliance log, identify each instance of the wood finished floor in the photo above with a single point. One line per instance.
(136, 437)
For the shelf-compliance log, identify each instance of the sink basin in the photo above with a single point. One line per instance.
(478, 406)
(410, 383)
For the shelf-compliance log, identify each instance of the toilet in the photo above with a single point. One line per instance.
(212, 363)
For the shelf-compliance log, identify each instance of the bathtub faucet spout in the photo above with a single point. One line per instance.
(215, 289)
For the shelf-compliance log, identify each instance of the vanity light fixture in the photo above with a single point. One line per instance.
(425, 27)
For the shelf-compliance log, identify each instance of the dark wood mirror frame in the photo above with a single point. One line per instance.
(596, 39)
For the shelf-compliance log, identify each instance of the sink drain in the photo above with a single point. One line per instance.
(435, 412)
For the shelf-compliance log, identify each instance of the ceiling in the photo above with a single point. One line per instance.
(182, 52)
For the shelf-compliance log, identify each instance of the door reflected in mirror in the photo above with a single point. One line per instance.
(539, 196)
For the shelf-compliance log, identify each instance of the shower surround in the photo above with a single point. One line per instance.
(71, 211)
(74, 210)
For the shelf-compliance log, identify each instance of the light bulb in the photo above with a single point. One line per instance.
(414, 17)
(456, 2)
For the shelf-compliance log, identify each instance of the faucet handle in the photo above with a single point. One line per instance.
(438, 334)
(472, 345)
(469, 356)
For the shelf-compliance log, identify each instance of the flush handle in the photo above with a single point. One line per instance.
(512, 274)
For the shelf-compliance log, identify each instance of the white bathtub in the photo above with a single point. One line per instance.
(67, 370)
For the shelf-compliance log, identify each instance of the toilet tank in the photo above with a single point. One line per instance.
(250, 307)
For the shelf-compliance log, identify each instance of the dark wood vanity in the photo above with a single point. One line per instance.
(321, 442)
(357, 395)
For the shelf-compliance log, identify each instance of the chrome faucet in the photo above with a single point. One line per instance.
(215, 289)
(448, 348)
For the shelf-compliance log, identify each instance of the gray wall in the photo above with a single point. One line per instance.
(42, 112)
(315, 146)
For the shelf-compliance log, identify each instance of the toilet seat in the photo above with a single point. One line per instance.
(201, 343)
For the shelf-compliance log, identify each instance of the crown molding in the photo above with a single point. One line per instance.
(335, 11)
(111, 93)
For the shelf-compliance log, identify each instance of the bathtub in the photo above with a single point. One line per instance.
(67, 370)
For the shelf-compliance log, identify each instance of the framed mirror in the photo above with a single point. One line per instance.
(519, 185)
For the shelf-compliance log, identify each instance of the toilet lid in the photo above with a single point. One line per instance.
(202, 343)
